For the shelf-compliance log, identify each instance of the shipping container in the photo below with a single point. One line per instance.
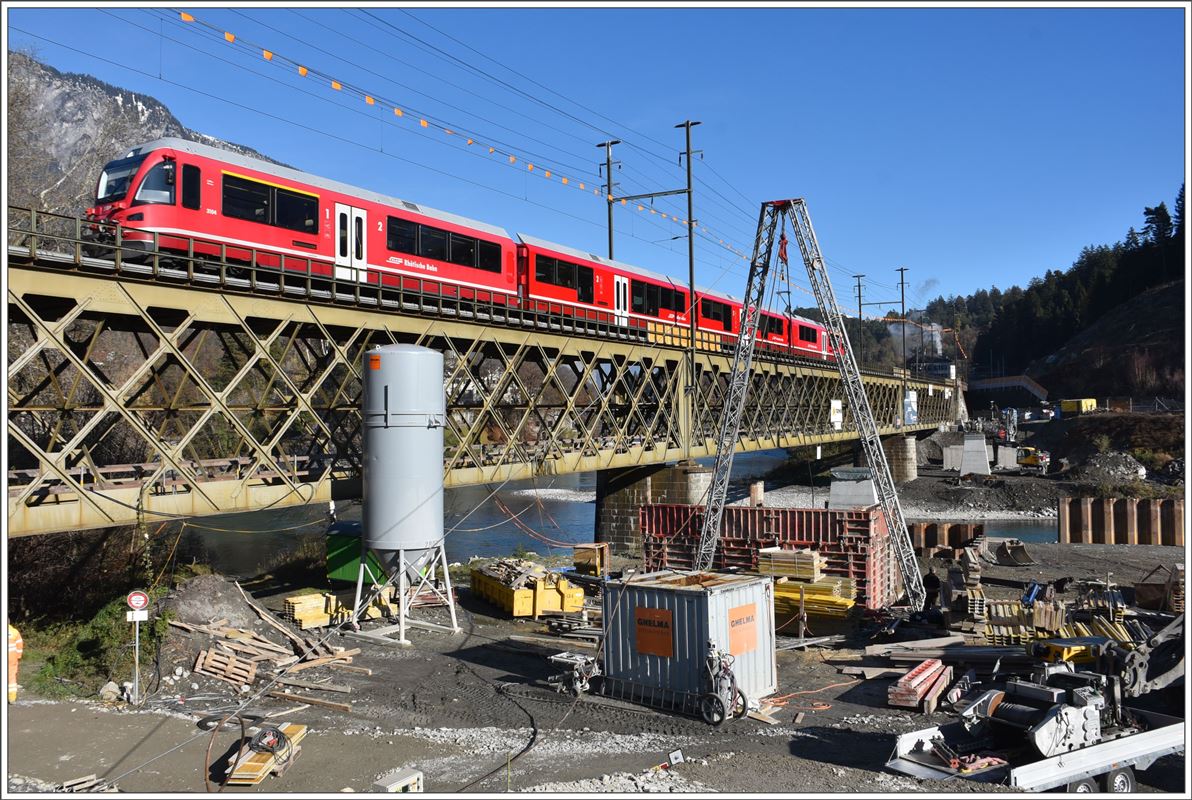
(658, 627)
(1072, 408)
(855, 543)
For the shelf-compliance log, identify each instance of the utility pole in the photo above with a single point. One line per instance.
(608, 187)
(688, 125)
(902, 290)
(860, 328)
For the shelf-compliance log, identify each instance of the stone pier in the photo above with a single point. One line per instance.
(621, 492)
(901, 454)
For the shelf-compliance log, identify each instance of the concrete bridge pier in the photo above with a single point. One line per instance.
(620, 492)
(901, 454)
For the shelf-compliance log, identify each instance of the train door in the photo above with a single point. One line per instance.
(621, 299)
(351, 243)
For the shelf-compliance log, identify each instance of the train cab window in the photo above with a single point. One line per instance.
(245, 199)
(585, 290)
(808, 334)
(488, 256)
(158, 186)
(402, 235)
(463, 250)
(544, 269)
(296, 211)
(432, 243)
(191, 186)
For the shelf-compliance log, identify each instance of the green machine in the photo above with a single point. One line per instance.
(343, 553)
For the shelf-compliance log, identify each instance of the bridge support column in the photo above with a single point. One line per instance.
(621, 492)
(902, 454)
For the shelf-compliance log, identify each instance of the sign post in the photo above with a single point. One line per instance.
(138, 601)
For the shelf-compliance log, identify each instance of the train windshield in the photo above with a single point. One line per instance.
(115, 178)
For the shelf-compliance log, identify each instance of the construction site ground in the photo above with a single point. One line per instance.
(461, 709)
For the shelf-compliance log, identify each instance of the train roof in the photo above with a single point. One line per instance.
(575, 253)
(230, 157)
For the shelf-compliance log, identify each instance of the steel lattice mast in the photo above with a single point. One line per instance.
(850, 376)
(738, 383)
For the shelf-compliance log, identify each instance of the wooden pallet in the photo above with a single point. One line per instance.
(226, 667)
(250, 767)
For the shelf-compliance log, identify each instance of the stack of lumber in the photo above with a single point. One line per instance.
(1049, 616)
(1108, 602)
(320, 610)
(250, 767)
(976, 602)
(513, 573)
(819, 599)
(922, 684)
(800, 565)
(1009, 623)
(248, 645)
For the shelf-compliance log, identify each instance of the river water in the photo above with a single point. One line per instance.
(244, 545)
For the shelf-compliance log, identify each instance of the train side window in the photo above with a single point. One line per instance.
(585, 287)
(488, 256)
(807, 334)
(565, 274)
(653, 298)
(544, 269)
(402, 235)
(432, 243)
(191, 186)
(463, 250)
(245, 199)
(296, 211)
(158, 186)
(638, 290)
(716, 312)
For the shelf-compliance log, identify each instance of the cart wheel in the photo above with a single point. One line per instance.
(711, 708)
(1119, 780)
(1084, 785)
(740, 705)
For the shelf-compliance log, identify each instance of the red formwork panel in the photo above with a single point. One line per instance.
(855, 543)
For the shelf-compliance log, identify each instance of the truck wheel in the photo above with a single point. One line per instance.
(1084, 785)
(1119, 780)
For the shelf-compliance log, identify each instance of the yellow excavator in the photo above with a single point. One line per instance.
(1031, 459)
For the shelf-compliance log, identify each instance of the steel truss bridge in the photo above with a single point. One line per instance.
(175, 385)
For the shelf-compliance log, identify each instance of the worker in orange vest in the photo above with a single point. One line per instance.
(16, 648)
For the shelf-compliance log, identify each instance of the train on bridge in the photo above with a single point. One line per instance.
(189, 198)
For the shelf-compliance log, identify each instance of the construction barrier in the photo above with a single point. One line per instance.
(1121, 520)
(855, 543)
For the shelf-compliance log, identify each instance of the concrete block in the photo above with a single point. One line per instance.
(974, 458)
(953, 456)
(852, 494)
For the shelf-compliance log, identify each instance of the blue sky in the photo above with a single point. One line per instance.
(977, 147)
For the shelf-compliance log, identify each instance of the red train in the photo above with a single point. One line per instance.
(246, 210)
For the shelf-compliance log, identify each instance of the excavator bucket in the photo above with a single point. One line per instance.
(1012, 553)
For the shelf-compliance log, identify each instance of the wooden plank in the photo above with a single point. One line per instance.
(318, 662)
(268, 617)
(326, 687)
(349, 668)
(871, 673)
(314, 701)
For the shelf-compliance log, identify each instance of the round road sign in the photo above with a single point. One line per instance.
(138, 600)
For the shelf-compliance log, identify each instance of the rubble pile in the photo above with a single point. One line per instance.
(1110, 467)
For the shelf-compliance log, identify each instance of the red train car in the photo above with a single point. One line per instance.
(278, 217)
(210, 202)
(560, 278)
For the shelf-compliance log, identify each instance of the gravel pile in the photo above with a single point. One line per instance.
(21, 784)
(661, 780)
(488, 741)
(1110, 467)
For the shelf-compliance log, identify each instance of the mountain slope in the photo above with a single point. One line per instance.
(63, 127)
(1137, 348)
